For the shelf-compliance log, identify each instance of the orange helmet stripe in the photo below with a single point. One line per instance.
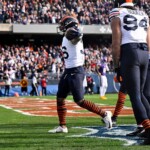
(65, 17)
(129, 1)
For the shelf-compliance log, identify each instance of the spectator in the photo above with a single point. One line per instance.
(90, 85)
(26, 60)
(44, 85)
(34, 85)
(8, 83)
(37, 12)
(24, 86)
(22, 72)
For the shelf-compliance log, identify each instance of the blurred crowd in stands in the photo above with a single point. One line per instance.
(17, 61)
(50, 11)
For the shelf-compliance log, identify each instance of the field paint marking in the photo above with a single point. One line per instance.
(19, 111)
(116, 133)
(46, 107)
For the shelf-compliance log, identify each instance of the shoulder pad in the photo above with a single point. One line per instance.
(114, 13)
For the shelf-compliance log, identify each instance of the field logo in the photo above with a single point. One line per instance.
(116, 133)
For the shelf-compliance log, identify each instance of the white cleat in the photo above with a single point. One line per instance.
(59, 130)
(107, 120)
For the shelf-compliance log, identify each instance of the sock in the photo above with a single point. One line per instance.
(92, 107)
(120, 104)
(61, 111)
(146, 124)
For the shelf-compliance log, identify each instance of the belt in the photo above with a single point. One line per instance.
(143, 46)
(78, 69)
(140, 46)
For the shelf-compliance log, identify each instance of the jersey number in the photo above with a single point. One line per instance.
(65, 53)
(132, 24)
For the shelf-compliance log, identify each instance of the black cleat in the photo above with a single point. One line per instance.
(137, 131)
(114, 122)
(145, 134)
(146, 142)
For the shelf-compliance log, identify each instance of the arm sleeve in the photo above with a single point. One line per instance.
(114, 13)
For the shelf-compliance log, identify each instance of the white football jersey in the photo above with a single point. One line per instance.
(134, 24)
(73, 54)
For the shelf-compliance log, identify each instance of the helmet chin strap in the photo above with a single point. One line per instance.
(127, 4)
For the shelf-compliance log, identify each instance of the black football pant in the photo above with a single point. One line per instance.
(147, 84)
(72, 81)
(134, 65)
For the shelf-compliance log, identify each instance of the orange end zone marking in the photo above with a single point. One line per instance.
(46, 107)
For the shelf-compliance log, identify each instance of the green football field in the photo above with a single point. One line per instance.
(22, 132)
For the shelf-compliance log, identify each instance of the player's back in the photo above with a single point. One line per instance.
(134, 24)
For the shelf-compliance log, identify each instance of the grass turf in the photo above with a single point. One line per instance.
(20, 132)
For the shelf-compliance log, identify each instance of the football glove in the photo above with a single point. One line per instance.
(73, 33)
(118, 77)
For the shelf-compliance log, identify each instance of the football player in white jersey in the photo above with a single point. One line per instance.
(73, 76)
(130, 47)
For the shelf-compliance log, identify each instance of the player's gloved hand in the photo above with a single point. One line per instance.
(118, 77)
(73, 33)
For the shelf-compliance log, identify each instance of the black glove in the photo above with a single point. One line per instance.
(73, 33)
(118, 74)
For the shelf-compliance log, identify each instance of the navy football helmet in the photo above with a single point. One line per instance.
(68, 22)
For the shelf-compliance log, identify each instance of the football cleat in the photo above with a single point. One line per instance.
(107, 120)
(103, 97)
(59, 130)
(136, 132)
(114, 121)
(145, 134)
